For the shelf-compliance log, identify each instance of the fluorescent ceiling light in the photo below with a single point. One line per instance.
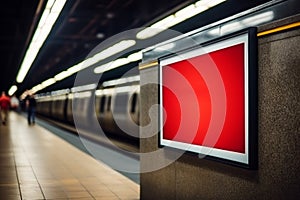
(74, 69)
(135, 56)
(44, 18)
(118, 63)
(51, 19)
(100, 69)
(209, 3)
(84, 87)
(148, 32)
(36, 88)
(156, 28)
(215, 31)
(12, 90)
(49, 4)
(247, 22)
(237, 25)
(58, 6)
(116, 48)
(164, 22)
(185, 11)
(231, 27)
(62, 75)
(178, 17)
(121, 81)
(165, 47)
(258, 19)
(48, 82)
(49, 16)
(24, 95)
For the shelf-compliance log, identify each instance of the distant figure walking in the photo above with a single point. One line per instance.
(14, 103)
(4, 106)
(31, 105)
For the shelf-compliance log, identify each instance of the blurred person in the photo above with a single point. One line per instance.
(31, 105)
(4, 106)
(14, 103)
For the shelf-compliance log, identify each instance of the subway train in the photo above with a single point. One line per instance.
(112, 108)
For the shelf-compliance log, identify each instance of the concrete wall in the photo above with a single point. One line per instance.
(278, 174)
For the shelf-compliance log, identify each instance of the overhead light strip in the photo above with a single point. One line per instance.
(178, 17)
(118, 63)
(116, 48)
(121, 81)
(49, 17)
(12, 90)
(84, 64)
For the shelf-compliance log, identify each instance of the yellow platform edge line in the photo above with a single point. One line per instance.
(281, 28)
(147, 65)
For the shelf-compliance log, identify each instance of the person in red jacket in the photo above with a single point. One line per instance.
(4, 106)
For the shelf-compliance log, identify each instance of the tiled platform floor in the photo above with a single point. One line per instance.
(35, 164)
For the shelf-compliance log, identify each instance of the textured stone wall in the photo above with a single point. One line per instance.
(278, 174)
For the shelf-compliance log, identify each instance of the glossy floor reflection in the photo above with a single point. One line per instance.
(35, 164)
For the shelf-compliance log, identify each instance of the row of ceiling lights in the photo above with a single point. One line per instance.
(51, 13)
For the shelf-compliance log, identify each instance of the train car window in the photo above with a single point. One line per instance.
(102, 104)
(133, 102)
(108, 103)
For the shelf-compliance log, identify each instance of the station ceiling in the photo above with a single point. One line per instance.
(82, 25)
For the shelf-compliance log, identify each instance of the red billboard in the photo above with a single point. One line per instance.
(205, 97)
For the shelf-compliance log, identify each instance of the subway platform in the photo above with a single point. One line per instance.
(36, 164)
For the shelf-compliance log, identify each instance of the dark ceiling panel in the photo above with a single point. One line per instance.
(16, 18)
(82, 25)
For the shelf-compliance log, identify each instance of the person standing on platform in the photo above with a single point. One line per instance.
(4, 106)
(31, 105)
(14, 103)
